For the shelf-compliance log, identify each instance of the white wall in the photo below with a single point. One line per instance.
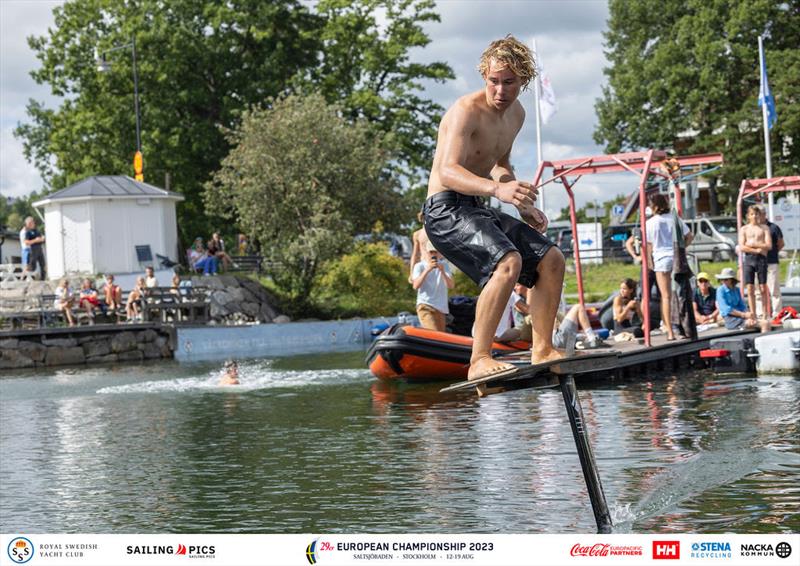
(11, 250)
(54, 248)
(100, 235)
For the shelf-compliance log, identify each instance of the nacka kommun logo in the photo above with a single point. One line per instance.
(20, 550)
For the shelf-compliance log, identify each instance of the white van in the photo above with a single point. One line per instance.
(715, 238)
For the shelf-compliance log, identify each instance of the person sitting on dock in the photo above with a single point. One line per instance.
(626, 307)
(135, 298)
(89, 301)
(705, 301)
(755, 241)
(112, 293)
(64, 300)
(230, 375)
(150, 279)
(496, 250)
(731, 305)
(432, 279)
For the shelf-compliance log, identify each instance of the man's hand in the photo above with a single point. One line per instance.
(518, 193)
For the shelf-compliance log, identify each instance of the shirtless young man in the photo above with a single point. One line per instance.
(494, 249)
(755, 242)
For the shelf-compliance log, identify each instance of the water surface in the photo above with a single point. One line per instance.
(315, 444)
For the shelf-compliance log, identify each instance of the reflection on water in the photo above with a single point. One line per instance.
(314, 444)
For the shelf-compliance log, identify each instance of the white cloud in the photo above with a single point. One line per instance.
(18, 20)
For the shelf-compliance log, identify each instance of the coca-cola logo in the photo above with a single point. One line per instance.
(594, 550)
(603, 549)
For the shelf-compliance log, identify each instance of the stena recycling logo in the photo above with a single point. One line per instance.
(20, 550)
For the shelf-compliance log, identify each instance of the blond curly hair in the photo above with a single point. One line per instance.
(510, 53)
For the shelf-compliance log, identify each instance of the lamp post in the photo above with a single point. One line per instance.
(104, 65)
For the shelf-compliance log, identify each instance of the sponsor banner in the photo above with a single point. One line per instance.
(421, 549)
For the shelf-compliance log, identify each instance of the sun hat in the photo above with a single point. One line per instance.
(727, 273)
(703, 275)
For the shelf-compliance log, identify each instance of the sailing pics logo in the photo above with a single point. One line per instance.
(20, 550)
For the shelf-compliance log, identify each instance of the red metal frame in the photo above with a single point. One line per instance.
(750, 187)
(641, 163)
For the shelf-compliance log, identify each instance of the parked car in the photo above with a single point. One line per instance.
(614, 238)
(715, 238)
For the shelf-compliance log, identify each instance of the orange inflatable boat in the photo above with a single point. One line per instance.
(418, 354)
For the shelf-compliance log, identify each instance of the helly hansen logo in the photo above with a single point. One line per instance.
(666, 549)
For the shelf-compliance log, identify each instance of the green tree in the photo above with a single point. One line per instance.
(366, 66)
(684, 75)
(366, 282)
(200, 64)
(13, 214)
(303, 180)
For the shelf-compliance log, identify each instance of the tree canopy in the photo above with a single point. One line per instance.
(684, 75)
(303, 180)
(201, 65)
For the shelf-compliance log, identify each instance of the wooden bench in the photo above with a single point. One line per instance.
(168, 305)
(15, 315)
(247, 263)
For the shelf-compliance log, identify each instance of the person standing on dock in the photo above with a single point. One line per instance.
(755, 241)
(494, 249)
(661, 248)
(773, 264)
(432, 279)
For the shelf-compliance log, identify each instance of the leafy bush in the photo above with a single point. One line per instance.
(367, 282)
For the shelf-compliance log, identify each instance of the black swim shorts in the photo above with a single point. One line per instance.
(754, 264)
(474, 237)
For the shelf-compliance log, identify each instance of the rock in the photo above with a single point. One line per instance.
(217, 311)
(248, 296)
(228, 281)
(237, 294)
(150, 350)
(97, 348)
(147, 335)
(131, 356)
(221, 298)
(251, 309)
(59, 356)
(14, 359)
(281, 319)
(60, 342)
(34, 350)
(268, 313)
(123, 342)
(108, 358)
(212, 283)
(8, 344)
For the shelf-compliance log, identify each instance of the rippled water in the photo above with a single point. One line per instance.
(315, 444)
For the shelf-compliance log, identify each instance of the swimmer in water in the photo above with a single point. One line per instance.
(231, 374)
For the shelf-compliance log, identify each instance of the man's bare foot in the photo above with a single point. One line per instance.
(484, 367)
(547, 355)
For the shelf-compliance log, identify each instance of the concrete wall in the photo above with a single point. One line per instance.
(272, 340)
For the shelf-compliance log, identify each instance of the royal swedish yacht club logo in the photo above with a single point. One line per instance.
(20, 550)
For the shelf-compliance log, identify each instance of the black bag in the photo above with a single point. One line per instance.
(462, 309)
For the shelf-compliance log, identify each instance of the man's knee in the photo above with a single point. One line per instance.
(509, 266)
(553, 260)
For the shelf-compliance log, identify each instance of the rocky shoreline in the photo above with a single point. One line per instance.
(87, 345)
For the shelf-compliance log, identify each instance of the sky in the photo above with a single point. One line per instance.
(569, 41)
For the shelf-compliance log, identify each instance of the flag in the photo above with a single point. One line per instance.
(547, 98)
(764, 93)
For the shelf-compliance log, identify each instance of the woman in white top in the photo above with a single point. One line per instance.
(661, 249)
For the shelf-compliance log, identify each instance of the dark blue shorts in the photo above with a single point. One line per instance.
(474, 238)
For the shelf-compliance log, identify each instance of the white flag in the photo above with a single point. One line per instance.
(547, 98)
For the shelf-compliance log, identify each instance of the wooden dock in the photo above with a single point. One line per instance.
(633, 360)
